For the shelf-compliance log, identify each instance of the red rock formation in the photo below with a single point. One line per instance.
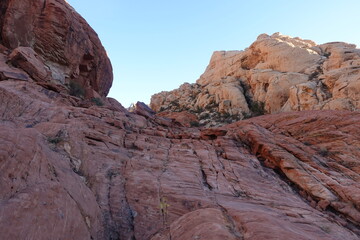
(77, 169)
(64, 41)
(102, 173)
(184, 118)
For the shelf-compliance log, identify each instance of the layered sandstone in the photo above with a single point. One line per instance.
(276, 73)
(70, 172)
(86, 168)
(51, 32)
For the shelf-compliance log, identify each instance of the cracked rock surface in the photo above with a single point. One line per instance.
(74, 167)
(103, 173)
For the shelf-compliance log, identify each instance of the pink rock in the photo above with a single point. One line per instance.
(184, 118)
(75, 171)
(26, 59)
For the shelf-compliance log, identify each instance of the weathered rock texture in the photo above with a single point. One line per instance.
(275, 74)
(51, 32)
(74, 168)
(69, 172)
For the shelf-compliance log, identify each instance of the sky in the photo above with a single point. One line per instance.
(157, 45)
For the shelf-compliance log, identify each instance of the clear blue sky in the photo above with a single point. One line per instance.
(156, 45)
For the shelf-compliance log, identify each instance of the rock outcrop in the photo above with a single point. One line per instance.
(51, 32)
(70, 172)
(74, 168)
(276, 73)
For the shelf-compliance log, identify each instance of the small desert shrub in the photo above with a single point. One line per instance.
(198, 110)
(174, 103)
(225, 115)
(204, 116)
(97, 101)
(324, 152)
(211, 106)
(164, 206)
(59, 137)
(76, 89)
(326, 229)
(257, 108)
(55, 140)
(246, 115)
(327, 54)
(194, 124)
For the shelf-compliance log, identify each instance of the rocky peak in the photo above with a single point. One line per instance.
(51, 32)
(276, 73)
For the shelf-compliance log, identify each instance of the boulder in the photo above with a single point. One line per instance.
(185, 119)
(26, 59)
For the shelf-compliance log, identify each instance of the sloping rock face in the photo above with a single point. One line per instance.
(74, 168)
(70, 172)
(51, 32)
(276, 73)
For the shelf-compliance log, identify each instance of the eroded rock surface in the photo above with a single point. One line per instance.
(104, 173)
(68, 46)
(276, 73)
(86, 168)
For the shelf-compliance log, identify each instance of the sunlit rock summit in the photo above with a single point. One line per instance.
(275, 74)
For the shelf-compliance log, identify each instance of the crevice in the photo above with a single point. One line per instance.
(25, 108)
(331, 213)
(131, 214)
(95, 139)
(204, 180)
(233, 229)
(3, 8)
(334, 215)
(298, 99)
(43, 8)
(119, 222)
(85, 218)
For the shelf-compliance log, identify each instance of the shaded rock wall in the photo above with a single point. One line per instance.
(68, 46)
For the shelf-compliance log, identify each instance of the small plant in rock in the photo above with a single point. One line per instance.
(324, 152)
(212, 105)
(194, 124)
(55, 140)
(76, 89)
(204, 116)
(225, 115)
(59, 137)
(257, 108)
(175, 103)
(326, 229)
(198, 110)
(97, 101)
(246, 115)
(163, 206)
(111, 173)
(327, 54)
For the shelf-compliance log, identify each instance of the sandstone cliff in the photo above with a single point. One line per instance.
(276, 73)
(78, 168)
(56, 45)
